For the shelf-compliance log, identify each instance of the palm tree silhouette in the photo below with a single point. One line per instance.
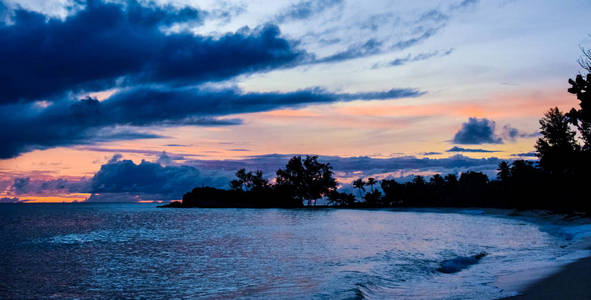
(359, 184)
(371, 181)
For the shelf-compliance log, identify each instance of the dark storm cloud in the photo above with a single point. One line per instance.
(61, 124)
(110, 44)
(145, 106)
(468, 150)
(305, 9)
(89, 121)
(150, 180)
(477, 131)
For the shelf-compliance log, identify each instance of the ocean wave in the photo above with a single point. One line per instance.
(460, 263)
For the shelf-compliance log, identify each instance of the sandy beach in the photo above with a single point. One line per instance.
(571, 282)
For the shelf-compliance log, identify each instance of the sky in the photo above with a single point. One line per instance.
(144, 100)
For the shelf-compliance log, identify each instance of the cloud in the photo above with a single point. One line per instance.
(63, 124)
(9, 200)
(20, 185)
(305, 9)
(367, 48)
(477, 131)
(526, 154)
(89, 121)
(482, 131)
(374, 46)
(459, 149)
(400, 45)
(418, 57)
(150, 180)
(28, 186)
(113, 44)
(512, 133)
(432, 153)
(350, 166)
(464, 4)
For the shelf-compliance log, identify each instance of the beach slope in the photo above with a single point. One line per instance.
(571, 282)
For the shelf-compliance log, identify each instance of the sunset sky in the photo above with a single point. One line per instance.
(142, 101)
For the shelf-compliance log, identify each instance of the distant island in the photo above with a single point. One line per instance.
(558, 181)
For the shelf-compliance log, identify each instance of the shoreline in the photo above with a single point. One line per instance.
(569, 282)
(569, 277)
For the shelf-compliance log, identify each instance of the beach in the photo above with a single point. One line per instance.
(570, 282)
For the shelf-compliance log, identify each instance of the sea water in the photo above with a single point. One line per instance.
(140, 251)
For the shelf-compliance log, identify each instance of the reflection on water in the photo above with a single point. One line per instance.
(135, 251)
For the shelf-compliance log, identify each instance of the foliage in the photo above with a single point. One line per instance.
(249, 181)
(306, 179)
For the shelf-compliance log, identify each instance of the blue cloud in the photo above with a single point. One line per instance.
(8, 199)
(89, 121)
(526, 154)
(414, 58)
(464, 4)
(151, 181)
(512, 133)
(369, 47)
(460, 149)
(477, 131)
(305, 9)
(432, 153)
(351, 166)
(110, 44)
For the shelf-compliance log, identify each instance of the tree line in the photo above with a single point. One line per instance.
(557, 181)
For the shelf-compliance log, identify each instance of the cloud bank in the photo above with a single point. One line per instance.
(164, 179)
(113, 44)
(156, 75)
(89, 121)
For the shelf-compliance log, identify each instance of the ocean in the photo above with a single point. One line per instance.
(89, 251)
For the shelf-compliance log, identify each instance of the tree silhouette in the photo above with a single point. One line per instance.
(341, 199)
(581, 118)
(585, 60)
(504, 172)
(248, 181)
(359, 184)
(393, 192)
(557, 146)
(306, 179)
(371, 181)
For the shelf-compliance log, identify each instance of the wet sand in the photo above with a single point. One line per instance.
(571, 282)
